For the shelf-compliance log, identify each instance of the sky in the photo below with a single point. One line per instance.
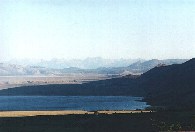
(147, 29)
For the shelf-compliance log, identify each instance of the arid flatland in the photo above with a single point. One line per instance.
(17, 81)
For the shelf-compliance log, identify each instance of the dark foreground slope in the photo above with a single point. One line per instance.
(152, 122)
(172, 85)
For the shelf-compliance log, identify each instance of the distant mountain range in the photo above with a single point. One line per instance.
(170, 86)
(45, 67)
(140, 66)
(88, 63)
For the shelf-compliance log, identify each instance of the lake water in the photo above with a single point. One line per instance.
(89, 103)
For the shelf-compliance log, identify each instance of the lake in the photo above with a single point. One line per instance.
(88, 103)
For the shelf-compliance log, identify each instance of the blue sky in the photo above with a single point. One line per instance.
(45, 29)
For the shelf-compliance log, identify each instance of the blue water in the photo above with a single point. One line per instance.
(88, 103)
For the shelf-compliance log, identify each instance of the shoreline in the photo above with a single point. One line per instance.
(65, 112)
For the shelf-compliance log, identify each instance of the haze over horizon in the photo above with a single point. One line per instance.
(147, 29)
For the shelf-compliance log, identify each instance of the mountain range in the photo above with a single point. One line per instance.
(88, 63)
(57, 67)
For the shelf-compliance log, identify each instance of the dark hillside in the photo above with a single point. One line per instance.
(170, 85)
(110, 87)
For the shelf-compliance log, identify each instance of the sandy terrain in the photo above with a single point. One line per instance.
(17, 81)
(75, 112)
(122, 111)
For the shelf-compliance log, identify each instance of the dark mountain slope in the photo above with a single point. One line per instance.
(170, 85)
(110, 87)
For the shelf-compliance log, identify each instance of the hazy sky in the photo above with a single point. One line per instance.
(45, 29)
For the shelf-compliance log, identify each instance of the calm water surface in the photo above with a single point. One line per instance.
(88, 103)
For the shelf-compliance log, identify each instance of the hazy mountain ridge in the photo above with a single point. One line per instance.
(138, 67)
(88, 63)
(14, 70)
(142, 67)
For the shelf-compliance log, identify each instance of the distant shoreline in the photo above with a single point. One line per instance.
(66, 112)
(19, 81)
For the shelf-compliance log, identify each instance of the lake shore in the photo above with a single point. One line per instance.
(19, 81)
(65, 112)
